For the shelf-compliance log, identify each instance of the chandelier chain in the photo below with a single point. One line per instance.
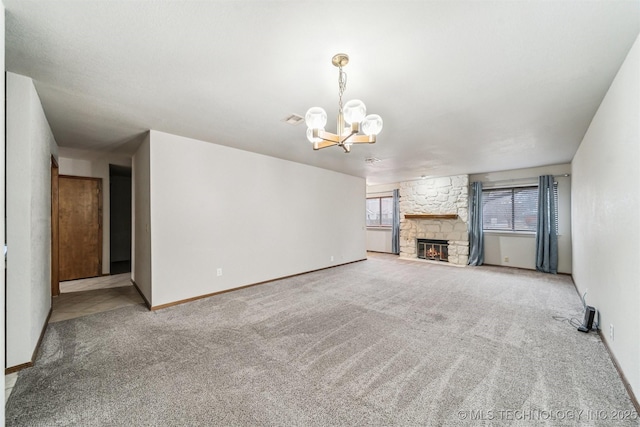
(342, 85)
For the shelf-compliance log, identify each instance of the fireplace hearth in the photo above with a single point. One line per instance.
(436, 250)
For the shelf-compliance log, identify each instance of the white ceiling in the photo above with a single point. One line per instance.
(462, 86)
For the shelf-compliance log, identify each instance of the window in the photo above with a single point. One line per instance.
(512, 209)
(380, 212)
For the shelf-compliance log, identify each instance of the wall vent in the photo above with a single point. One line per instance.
(371, 160)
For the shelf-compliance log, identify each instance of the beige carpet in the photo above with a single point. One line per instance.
(378, 342)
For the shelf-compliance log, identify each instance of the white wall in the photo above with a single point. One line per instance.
(605, 198)
(141, 218)
(28, 192)
(95, 165)
(520, 248)
(379, 238)
(256, 217)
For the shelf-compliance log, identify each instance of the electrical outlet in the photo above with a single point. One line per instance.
(506, 259)
(219, 272)
(611, 331)
(331, 257)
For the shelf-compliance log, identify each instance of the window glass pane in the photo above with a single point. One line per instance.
(380, 211)
(513, 209)
(497, 209)
(525, 209)
(386, 208)
(373, 211)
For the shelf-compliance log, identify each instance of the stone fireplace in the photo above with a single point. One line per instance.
(435, 209)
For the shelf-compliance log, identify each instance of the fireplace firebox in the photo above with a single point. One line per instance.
(437, 250)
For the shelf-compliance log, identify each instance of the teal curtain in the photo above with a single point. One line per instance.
(395, 229)
(547, 229)
(476, 235)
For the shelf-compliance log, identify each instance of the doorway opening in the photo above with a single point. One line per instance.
(119, 219)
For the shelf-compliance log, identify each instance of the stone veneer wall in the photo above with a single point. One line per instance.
(444, 195)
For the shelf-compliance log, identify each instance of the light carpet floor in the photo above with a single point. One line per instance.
(378, 342)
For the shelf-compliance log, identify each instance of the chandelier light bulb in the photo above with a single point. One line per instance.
(310, 136)
(354, 111)
(316, 118)
(372, 124)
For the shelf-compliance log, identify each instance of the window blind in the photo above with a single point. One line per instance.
(512, 209)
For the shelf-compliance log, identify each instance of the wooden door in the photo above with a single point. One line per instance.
(80, 227)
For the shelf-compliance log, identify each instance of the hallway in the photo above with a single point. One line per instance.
(95, 295)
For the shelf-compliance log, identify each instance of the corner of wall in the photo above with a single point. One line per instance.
(141, 219)
(28, 196)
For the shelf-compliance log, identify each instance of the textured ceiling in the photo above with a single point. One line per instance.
(462, 86)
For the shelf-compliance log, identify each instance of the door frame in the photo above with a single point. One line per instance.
(55, 222)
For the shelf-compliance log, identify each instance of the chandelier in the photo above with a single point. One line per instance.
(352, 118)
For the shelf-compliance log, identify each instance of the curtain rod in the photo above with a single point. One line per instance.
(381, 192)
(564, 175)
